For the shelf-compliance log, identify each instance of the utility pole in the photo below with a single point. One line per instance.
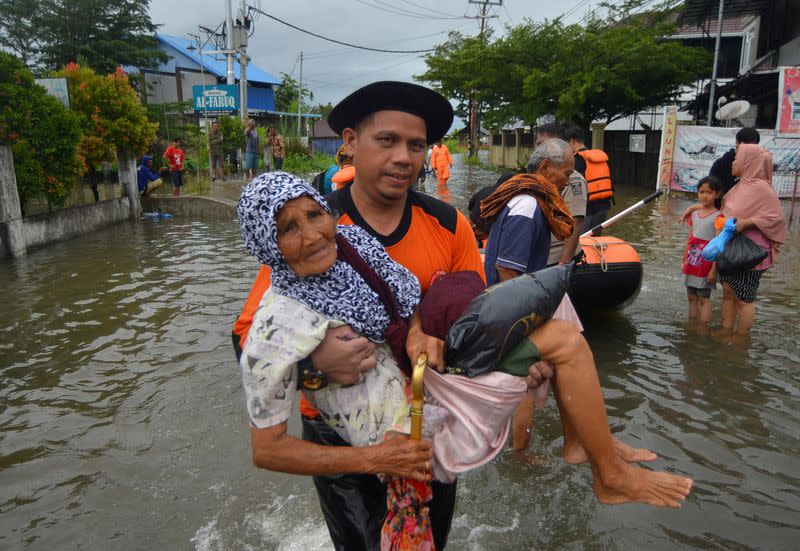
(300, 97)
(712, 90)
(242, 45)
(473, 105)
(229, 41)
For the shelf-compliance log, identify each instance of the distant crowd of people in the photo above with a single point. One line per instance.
(174, 158)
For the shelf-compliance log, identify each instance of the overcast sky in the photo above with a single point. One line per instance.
(332, 71)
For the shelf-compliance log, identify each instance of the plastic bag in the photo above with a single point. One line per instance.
(740, 254)
(717, 245)
(498, 319)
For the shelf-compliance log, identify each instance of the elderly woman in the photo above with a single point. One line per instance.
(759, 216)
(318, 284)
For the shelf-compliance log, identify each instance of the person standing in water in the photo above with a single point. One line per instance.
(700, 275)
(441, 161)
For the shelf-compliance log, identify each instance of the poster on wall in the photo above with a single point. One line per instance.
(788, 123)
(697, 147)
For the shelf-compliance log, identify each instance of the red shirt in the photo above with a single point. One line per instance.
(175, 157)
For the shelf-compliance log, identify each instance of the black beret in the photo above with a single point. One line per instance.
(394, 96)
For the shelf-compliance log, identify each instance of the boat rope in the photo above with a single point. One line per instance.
(600, 247)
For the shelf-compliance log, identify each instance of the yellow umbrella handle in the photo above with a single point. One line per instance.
(417, 396)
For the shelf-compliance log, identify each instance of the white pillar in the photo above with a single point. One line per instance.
(11, 228)
(126, 164)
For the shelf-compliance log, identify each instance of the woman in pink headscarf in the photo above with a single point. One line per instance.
(759, 216)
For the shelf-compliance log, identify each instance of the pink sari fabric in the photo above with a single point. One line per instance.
(753, 197)
(480, 410)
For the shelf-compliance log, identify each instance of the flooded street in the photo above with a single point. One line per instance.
(123, 427)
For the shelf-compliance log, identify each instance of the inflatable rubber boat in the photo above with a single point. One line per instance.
(611, 276)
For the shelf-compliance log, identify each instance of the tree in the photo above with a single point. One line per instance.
(606, 69)
(42, 132)
(111, 115)
(286, 95)
(101, 34)
(323, 109)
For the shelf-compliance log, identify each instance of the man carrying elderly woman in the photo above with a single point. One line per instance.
(319, 311)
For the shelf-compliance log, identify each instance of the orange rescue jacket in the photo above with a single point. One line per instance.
(598, 175)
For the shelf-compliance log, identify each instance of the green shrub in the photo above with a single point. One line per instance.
(303, 164)
(43, 134)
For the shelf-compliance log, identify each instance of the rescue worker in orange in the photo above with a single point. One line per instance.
(593, 165)
(441, 161)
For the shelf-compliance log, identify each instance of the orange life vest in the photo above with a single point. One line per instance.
(345, 175)
(598, 175)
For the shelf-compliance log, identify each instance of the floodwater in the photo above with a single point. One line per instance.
(122, 424)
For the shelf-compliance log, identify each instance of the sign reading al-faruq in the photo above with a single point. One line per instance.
(218, 98)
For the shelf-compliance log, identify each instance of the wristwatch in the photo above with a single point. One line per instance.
(310, 378)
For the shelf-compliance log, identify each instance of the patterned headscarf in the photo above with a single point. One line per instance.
(340, 293)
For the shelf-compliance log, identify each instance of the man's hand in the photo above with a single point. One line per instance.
(538, 373)
(344, 356)
(418, 342)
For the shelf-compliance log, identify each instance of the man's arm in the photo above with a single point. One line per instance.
(571, 244)
(275, 450)
(504, 274)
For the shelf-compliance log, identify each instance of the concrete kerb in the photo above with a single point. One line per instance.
(190, 206)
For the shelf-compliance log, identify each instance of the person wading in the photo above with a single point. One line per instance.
(386, 127)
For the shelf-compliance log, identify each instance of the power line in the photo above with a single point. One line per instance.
(406, 13)
(295, 27)
(338, 51)
(427, 8)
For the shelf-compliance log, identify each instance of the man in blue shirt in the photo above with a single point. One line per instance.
(519, 241)
(146, 178)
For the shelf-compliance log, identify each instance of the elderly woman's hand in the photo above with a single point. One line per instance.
(344, 356)
(402, 457)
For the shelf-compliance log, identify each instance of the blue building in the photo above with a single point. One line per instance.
(172, 81)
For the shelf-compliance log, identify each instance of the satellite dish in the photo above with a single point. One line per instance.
(732, 110)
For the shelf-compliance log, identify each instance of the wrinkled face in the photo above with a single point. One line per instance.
(557, 175)
(388, 150)
(306, 236)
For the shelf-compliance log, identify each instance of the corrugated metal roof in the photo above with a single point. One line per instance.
(216, 65)
(730, 25)
(696, 11)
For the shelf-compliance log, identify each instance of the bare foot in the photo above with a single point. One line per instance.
(636, 485)
(574, 454)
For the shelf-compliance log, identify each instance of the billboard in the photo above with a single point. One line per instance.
(697, 147)
(788, 123)
(217, 98)
(56, 87)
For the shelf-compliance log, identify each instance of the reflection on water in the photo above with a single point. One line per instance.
(123, 428)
